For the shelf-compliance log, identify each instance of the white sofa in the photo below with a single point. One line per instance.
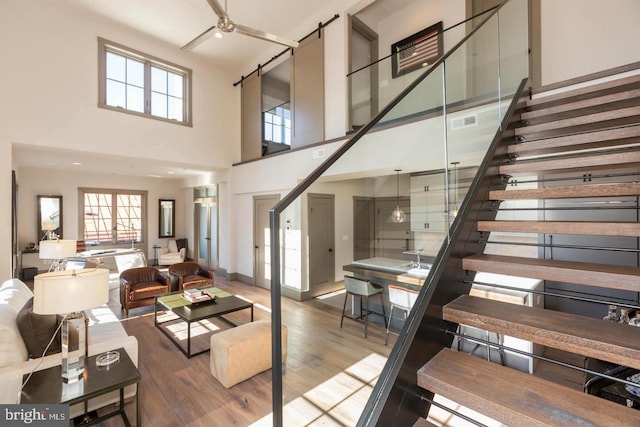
(105, 333)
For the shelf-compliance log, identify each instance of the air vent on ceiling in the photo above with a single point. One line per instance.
(464, 122)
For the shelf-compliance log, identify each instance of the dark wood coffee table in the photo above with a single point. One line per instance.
(224, 303)
(46, 386)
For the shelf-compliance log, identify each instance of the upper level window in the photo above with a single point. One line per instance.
(277, 125)
(137, 83)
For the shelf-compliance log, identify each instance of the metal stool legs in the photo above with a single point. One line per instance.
(487, 344)
(392, 306)
(364, 311)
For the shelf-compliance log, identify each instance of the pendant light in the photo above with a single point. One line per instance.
(398, 215)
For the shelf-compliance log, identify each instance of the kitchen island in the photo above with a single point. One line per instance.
(386, 271)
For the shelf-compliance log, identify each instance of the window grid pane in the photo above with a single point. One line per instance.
(100, 227)
(126, 85)
(97, 218)
(158, 104)
(135, 72)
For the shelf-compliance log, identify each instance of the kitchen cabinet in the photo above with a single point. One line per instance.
(429, 210)
(428, 203)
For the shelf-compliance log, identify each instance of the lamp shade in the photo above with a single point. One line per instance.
(49, 225)
(57, 249)
(62, 292)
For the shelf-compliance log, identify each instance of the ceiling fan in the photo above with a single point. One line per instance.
(226, 25)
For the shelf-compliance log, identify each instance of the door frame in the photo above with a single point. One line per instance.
(257, 200)
(535, 39)
(364, 30)
(332, 271)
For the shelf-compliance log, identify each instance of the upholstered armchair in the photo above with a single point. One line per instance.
(188, 275)
(139, 287)
(176, 251)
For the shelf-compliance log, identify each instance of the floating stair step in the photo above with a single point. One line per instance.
(582, 273)
(585, 106)
(590, 91)
(622, 158)
(568, 192)
(587, 140)
(515, 398)
(626, 229)
(590, 121)
(614, 342)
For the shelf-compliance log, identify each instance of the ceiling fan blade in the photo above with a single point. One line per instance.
(217, 8)
(202, 37)
(247, 31)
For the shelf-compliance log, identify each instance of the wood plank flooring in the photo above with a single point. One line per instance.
(328, 377)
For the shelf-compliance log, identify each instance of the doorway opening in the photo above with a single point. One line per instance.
(206, 225)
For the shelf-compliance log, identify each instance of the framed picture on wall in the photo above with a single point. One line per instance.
(416, 51)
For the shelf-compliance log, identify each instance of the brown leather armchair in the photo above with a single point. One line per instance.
(139, 286)
(188, 275)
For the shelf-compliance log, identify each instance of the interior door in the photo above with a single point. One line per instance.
(363, 227)
(262, 240)
(206, 230)
(321, 244)
(251, 115)
(363, 83)
(307, 91)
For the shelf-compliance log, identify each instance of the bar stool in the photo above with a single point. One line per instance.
(401, 299)
(363, 289)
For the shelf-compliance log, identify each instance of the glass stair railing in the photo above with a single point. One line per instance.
(456, 109)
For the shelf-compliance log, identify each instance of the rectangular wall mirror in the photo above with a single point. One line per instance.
(49, 217)
(167, 219)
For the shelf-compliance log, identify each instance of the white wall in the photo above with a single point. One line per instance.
(33, 182)
(584, 36)
(53, 95)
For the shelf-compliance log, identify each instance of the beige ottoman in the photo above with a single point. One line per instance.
(239, 353)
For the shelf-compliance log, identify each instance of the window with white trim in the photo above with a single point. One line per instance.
(112, 217)
(137, 83)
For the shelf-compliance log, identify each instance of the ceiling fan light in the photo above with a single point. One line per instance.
(217, 33)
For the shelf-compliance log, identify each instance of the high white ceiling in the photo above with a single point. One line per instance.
(179, 21)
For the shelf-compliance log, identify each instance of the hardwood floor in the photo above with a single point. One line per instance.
(329, 372)
(328, 377)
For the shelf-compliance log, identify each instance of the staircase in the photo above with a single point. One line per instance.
(591, 134)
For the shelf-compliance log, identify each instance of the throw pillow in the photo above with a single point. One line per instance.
(37, 330)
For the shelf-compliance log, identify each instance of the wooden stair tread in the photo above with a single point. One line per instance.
(585, 119)
(601, 138)
(568, 192)
(516, 398)
(593, 228)
(611, 86)
(588, 274)
(614, 342)
(597, 160)
(610, 101)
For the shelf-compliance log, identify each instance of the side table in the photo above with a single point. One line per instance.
(156, 255)
(46, 386)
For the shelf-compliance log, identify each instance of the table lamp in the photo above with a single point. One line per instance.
(69, 293)
(48, 227)
(57, 250)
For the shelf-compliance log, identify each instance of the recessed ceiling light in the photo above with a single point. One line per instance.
(155, 176)
(76, 164)
(171, 172)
